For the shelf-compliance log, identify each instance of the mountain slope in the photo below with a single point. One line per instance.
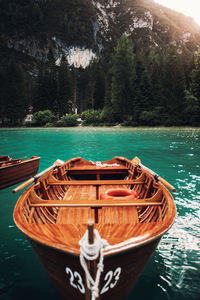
(129, 60)
(32, 27)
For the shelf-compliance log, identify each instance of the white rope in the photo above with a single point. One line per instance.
(103, 165)
(91, 252)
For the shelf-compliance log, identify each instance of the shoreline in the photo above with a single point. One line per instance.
(101, 127)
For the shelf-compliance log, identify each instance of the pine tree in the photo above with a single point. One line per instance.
(156, 75)
(96, 84)
(64, 87)
(191, 110)
(47, 86)
(52, 81)
(195, 76)
(41, 100)
(143, 92)
(123, 79)
(82, 100)
(16, 94)
(2, 95)
(99, 92)
(107, 98)
(174, 87)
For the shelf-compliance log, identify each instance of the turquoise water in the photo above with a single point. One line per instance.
(173, 273)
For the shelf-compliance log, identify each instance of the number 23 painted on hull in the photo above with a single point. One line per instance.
(111, 278)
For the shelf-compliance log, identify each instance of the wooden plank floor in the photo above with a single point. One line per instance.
(106, 215)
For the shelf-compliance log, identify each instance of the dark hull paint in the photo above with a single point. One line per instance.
(132, 262)
(19, 172)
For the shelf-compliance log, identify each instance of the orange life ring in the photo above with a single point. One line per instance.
(119, 194)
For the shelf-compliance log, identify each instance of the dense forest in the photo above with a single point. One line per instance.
(129, 82)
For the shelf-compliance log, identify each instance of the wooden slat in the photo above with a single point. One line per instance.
(94, 182)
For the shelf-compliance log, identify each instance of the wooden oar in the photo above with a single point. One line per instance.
(136, 161)
(32, 179)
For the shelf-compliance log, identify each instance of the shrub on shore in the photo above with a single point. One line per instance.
(41, 118)
(91, 117)
(69, 120)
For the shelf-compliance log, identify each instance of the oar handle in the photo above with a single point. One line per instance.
(167, 184)
(137, 161)
(32, 179)
(23, 185)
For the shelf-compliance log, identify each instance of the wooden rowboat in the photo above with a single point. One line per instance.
(13, 171)
(131, 209)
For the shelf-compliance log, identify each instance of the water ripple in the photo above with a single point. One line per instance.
(173, 153)
(180, 251)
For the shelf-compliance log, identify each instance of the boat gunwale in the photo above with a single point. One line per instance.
(21, 162)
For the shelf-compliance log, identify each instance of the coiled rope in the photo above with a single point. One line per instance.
(91, 252)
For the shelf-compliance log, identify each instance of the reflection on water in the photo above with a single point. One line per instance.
(174, 270)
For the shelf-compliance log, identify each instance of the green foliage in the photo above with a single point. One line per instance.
(153, 117)
(69, 120)
(91, 117)
(42, 118)
(49, 124)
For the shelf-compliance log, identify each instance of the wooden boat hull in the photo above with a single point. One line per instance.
(12, 174)
(53, 213)
(114, 285)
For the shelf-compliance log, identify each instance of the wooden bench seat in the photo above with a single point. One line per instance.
(93, 203)
(95, 167)
(98, 170)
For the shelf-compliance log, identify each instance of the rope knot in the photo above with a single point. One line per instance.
(95, 292)
(91, 252)
(100, 266)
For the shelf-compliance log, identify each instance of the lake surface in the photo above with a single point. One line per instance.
(173, 273)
